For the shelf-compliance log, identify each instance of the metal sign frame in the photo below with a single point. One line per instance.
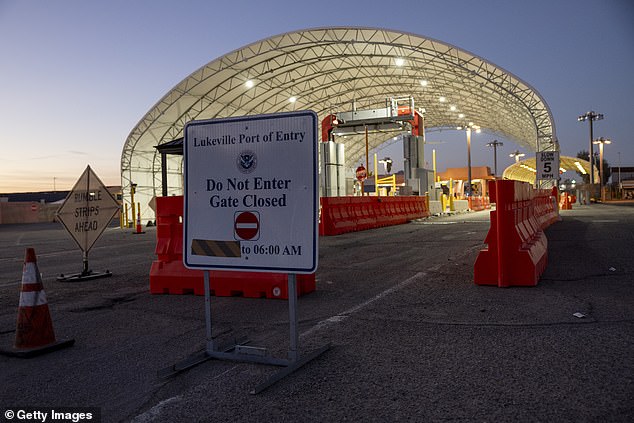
(226, 250)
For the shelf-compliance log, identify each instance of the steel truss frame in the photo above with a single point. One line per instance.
(326, 69)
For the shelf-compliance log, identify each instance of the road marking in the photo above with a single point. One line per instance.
(154, 413)
(347, 313)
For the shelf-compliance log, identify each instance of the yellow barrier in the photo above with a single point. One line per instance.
(389, 180)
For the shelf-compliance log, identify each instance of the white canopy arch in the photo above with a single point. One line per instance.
(326, 69)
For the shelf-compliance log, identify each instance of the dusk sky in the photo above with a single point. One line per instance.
(76, 76)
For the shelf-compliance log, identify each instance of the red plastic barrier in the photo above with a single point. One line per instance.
(517, 251)
(346, 214)
(168, 275)
(477, 203)
(565, 201)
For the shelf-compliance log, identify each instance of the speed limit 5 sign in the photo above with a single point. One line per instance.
(547, 165)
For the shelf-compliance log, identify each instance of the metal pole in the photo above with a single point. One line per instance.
(210, 342)
(367, 158)
(293, 354)
(620, 190)
(376, 176)
(495, 159)
(433, 157)
(469, 161)
(164, 174)
(601, 171)
(591, 155)
(133, 205)
(85, 271)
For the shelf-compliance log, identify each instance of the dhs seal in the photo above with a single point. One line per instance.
(247, 161)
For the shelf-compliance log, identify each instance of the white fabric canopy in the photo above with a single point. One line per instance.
(325, 70)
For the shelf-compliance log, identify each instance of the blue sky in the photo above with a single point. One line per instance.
(76, 76)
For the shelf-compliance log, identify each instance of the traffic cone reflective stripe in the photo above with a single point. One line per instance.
(32, 293)
(32, 299)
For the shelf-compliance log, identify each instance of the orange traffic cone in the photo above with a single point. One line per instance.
(138, 224)
(34, 333)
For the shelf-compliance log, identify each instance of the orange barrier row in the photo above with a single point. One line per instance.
(168, 275)
(517, 251)
(350, 214)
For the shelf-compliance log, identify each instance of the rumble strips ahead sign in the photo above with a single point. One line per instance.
(251, 193)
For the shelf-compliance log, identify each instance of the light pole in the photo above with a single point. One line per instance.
(620, 190)
(590, 116)
(600, 142)
(495, 144)
(517, 155)
(469, 128)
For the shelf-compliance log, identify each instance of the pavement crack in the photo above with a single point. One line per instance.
(106, 304)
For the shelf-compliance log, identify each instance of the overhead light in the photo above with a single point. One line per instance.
(249, 83)
(399, 61)
(461, 115)
(442, 99)
(423, 82)
(581, 169)
(452, 108)
(292, 99)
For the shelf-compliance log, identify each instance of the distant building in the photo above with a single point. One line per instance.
(34, 207)
(627, 174)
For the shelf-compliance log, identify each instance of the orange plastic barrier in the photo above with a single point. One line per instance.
(348, 214)
(479, 203)
(168, 275)
(517, 251)
(565, 201)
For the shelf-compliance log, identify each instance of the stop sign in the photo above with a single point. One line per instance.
(246, 225)
(362, 175)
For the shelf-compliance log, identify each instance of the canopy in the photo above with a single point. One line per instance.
(325, 70)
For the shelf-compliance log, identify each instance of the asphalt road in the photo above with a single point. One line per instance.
(413, 338)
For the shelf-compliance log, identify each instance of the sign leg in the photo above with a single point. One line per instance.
(293, 354)
(210, 342)
(85, 270)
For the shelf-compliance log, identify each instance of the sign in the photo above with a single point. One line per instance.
(547, 163)
(87, 210)
(362, 175)
(247, 226)
(251, 193)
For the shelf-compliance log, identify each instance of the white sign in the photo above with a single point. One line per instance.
(251, 193)
(547, 165)
(87, 210)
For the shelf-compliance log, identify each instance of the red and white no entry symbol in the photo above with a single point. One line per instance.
(247, 226)
(362, 175)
